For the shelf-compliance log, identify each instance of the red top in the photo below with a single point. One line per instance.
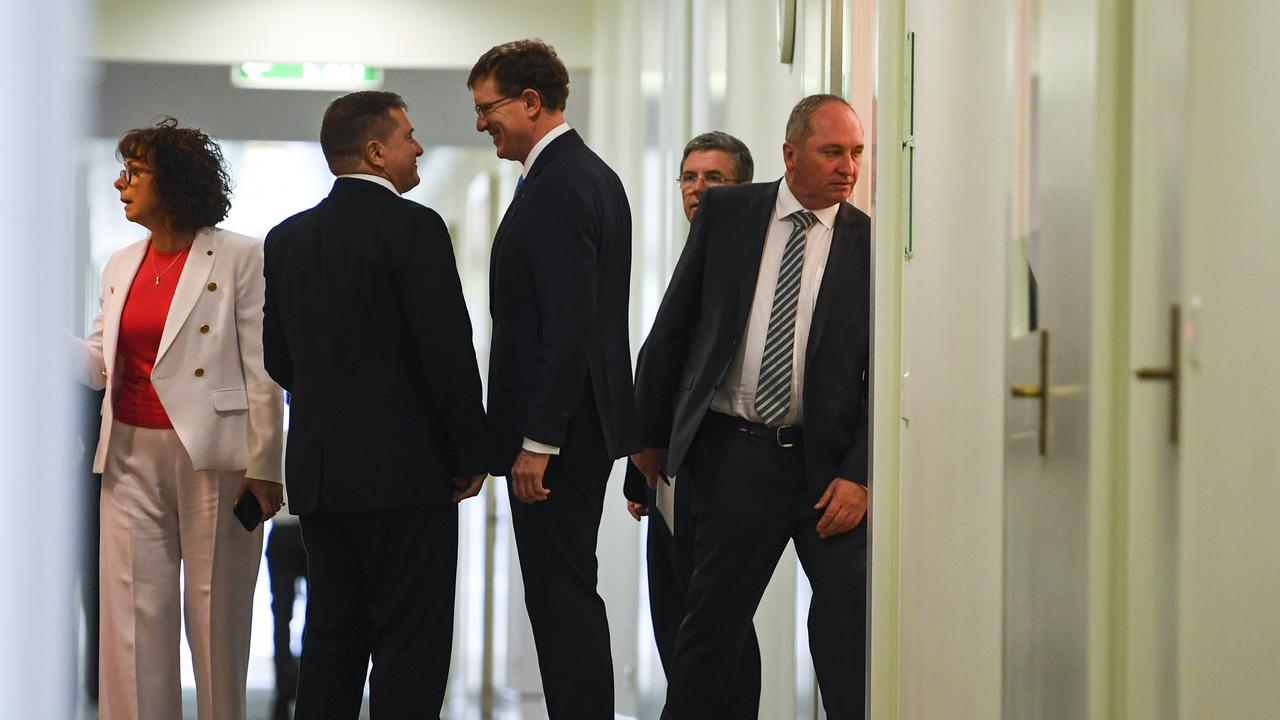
(141, 325)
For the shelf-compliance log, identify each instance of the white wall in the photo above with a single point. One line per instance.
(40, 531)
(388, 33)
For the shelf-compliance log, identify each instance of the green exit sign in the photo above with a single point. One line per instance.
(306, 76)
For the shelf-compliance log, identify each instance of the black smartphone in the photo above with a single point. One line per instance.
(248, 511)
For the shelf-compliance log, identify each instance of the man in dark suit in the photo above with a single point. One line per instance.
(754, 376)
(366, 328)
(712, 159)
(560, 395)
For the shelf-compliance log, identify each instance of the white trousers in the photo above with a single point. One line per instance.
(160, 516)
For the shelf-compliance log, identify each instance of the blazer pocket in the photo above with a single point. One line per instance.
(230, 400)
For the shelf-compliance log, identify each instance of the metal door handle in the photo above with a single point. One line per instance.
(1171, 372)
(1039, 392)
(1027, 391)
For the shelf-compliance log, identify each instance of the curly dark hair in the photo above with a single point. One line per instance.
(524, 64)
(191, 182)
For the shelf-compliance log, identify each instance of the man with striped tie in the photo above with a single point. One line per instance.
(754, 377)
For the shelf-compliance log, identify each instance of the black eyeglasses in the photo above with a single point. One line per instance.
(129, 173)
(486, 108)
(711, 179)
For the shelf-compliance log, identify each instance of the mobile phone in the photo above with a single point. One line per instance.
(248, 511)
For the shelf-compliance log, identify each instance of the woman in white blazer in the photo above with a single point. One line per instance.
(190, 422)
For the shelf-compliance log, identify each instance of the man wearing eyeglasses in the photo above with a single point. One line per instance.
(710, 160)
(560, 394)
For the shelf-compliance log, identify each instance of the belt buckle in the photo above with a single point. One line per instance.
(778, 436)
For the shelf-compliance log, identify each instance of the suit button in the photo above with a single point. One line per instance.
(208, 252)
(204, 329)
(213, 286)
(199, 372)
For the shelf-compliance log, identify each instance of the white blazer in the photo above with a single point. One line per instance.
(209, 376)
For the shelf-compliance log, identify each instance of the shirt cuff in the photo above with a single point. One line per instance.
(536, 447)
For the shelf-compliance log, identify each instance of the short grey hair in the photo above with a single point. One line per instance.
(743, 166)
(799, 125)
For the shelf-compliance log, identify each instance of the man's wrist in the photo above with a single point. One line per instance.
(534, 446)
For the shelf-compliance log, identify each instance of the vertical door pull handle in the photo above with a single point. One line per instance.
(1170, 373)
(1039, 392)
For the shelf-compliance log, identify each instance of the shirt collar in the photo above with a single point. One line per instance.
(787, 204)
(541, 145)
(373, 179)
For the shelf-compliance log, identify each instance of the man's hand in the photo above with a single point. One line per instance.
(651, 462)
(270, 495)
(637, 510)
(526, 477)
(846, 503)
(468, 486)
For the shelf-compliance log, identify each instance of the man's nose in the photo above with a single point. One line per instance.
(847, 165)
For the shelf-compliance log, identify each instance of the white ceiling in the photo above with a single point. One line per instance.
(388, 33)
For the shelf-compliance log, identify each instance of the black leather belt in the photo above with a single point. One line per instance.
(783, 436)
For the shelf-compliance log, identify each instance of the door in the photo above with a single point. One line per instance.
(1229, 454)
(1047, 439)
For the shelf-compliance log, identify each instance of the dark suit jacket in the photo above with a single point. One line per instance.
(559, 282)
(367, 329)
(703, 317)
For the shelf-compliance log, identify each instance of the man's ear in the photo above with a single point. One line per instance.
(373, 156)
(788, 156)
(532, 102)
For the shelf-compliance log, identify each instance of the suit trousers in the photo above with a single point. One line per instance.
(556, 542)
(669, 559)
(161, 517)
(749, 500)
(286, 564)
(380, 586)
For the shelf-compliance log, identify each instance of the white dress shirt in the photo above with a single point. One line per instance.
(736, 394)
(541, 145)
(538, 147)
(373, 179)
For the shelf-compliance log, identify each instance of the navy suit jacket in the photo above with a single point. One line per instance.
(559, 283)
(366, 327)
(703, 317)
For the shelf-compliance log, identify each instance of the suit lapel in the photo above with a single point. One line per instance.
(506, 216)
(544, 160)
(190, 284)
(117, 292)
(758, 217)
(836, 272)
